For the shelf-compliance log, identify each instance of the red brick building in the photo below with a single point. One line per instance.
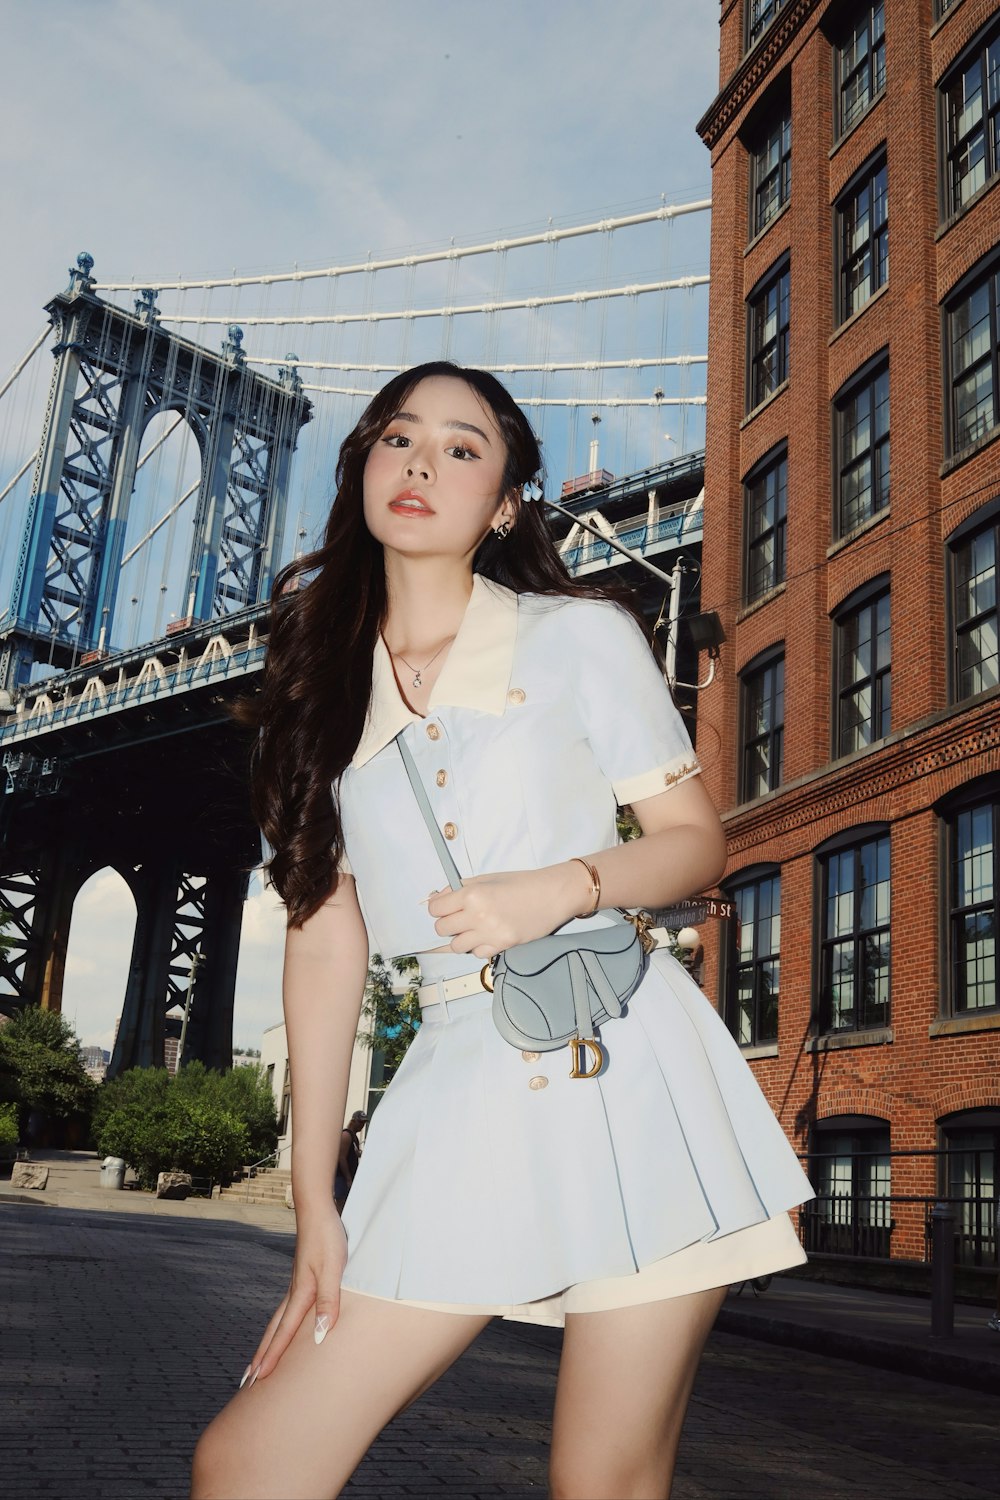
(854, 739)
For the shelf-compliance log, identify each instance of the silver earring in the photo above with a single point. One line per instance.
(501, 531)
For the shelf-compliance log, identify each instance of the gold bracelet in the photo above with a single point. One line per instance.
(595, 885)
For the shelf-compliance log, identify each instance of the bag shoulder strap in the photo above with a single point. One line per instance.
(444, 853)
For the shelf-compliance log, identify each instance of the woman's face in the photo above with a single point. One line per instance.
(432, 480)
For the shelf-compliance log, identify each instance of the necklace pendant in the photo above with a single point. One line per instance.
(417, 680)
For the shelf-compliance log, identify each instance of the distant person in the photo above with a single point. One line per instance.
(495, 1181)
(350, 1155)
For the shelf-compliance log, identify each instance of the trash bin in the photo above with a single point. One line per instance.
(112, 1172)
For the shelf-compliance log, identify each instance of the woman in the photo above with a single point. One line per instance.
(348, 1159)
(492, 1183)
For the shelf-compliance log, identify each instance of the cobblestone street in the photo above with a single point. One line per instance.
(122, 1334)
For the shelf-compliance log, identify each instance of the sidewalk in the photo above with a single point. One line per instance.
(886, 1330)
(74, 1182)
(889, 1330)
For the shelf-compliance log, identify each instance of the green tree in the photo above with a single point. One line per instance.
(393, 1020)
(41, 1065)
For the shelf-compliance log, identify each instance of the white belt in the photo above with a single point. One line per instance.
(437, 999)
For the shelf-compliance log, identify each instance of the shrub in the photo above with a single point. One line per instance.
(201, 1122)
(9, 1134)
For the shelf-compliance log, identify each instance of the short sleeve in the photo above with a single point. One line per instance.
(635, 730)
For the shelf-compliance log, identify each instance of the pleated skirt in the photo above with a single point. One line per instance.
(492, 1182)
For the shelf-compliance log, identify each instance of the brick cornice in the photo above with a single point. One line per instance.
(917, 753)
(754, 67)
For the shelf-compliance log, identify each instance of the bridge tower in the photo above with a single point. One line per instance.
(114, 371)
(171, 820)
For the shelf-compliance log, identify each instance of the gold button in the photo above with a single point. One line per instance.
(516, 695)
(531, 1056)
(450, 831)
(442, 778)
(433, 732)
(538, 1082)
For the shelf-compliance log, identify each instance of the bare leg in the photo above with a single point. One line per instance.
(300, 1433)
(624, 1383)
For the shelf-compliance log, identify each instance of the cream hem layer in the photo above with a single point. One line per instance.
(759, 1250)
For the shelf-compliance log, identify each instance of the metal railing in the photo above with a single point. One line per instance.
(861, 1224)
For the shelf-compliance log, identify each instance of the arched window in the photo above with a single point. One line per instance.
(971, 824)
(850, 1167)
(970, 1139)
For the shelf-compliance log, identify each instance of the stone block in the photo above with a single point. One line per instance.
(173, 1185)
(27, 1174)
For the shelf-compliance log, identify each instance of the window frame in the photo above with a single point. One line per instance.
(772, 462)
(880, 447)
(984, 791)
(846, 33)
(766, 661)
(755, 356)
(977, 48)
(983, 1227)
(987, 271)
(868, 1233)
(750, 39)
(775, 119)
(745, 880)
(853, 841)
(869, 596)
(987, 517)
(876, 244)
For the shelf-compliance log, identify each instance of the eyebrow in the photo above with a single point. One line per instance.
(409, 416)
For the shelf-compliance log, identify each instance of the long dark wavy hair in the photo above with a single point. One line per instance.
(327, 609)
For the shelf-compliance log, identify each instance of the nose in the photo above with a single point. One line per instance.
(418, 464)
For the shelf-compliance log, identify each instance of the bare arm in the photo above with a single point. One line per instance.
(326, 963)
(682, 850)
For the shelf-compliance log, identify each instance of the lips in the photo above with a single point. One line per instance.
(410, 503)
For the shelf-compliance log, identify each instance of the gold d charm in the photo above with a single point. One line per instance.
(579, 1057)
(486, 977)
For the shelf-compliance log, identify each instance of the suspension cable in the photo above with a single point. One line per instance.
(452, 252)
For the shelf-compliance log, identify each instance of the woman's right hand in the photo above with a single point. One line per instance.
(320, 1257)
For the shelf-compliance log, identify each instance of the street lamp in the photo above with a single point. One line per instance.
(196, 960)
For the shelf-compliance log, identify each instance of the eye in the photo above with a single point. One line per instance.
(459, 450)
(395, 439)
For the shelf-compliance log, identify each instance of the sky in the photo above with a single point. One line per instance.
(187, 139)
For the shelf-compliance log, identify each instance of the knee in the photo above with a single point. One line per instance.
(615, 1475)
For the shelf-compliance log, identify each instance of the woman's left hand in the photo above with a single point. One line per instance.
(493, 912)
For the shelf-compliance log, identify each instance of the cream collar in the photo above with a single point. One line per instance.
(476, 672)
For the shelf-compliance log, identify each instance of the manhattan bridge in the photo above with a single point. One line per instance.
(161, 460)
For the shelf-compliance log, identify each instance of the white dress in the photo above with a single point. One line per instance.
(491, 1180)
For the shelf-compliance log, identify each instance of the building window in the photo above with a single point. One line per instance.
(974, 595)
(286, 1100)
(763, 727)
(851, 1172)
(941, 8)
(757, 968)
(855, 944)
(861, 65)
(862, 437)
(863, 675)
(863, 238)
(770, 169)
(973, 839)
(971, 1139)
(766, 507)
(973, 342)
(970, 100)
(768, 336)
(760, 14)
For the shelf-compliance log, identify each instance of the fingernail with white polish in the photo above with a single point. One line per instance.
(322, 1327)
(253, 1377)
(246, 1372)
